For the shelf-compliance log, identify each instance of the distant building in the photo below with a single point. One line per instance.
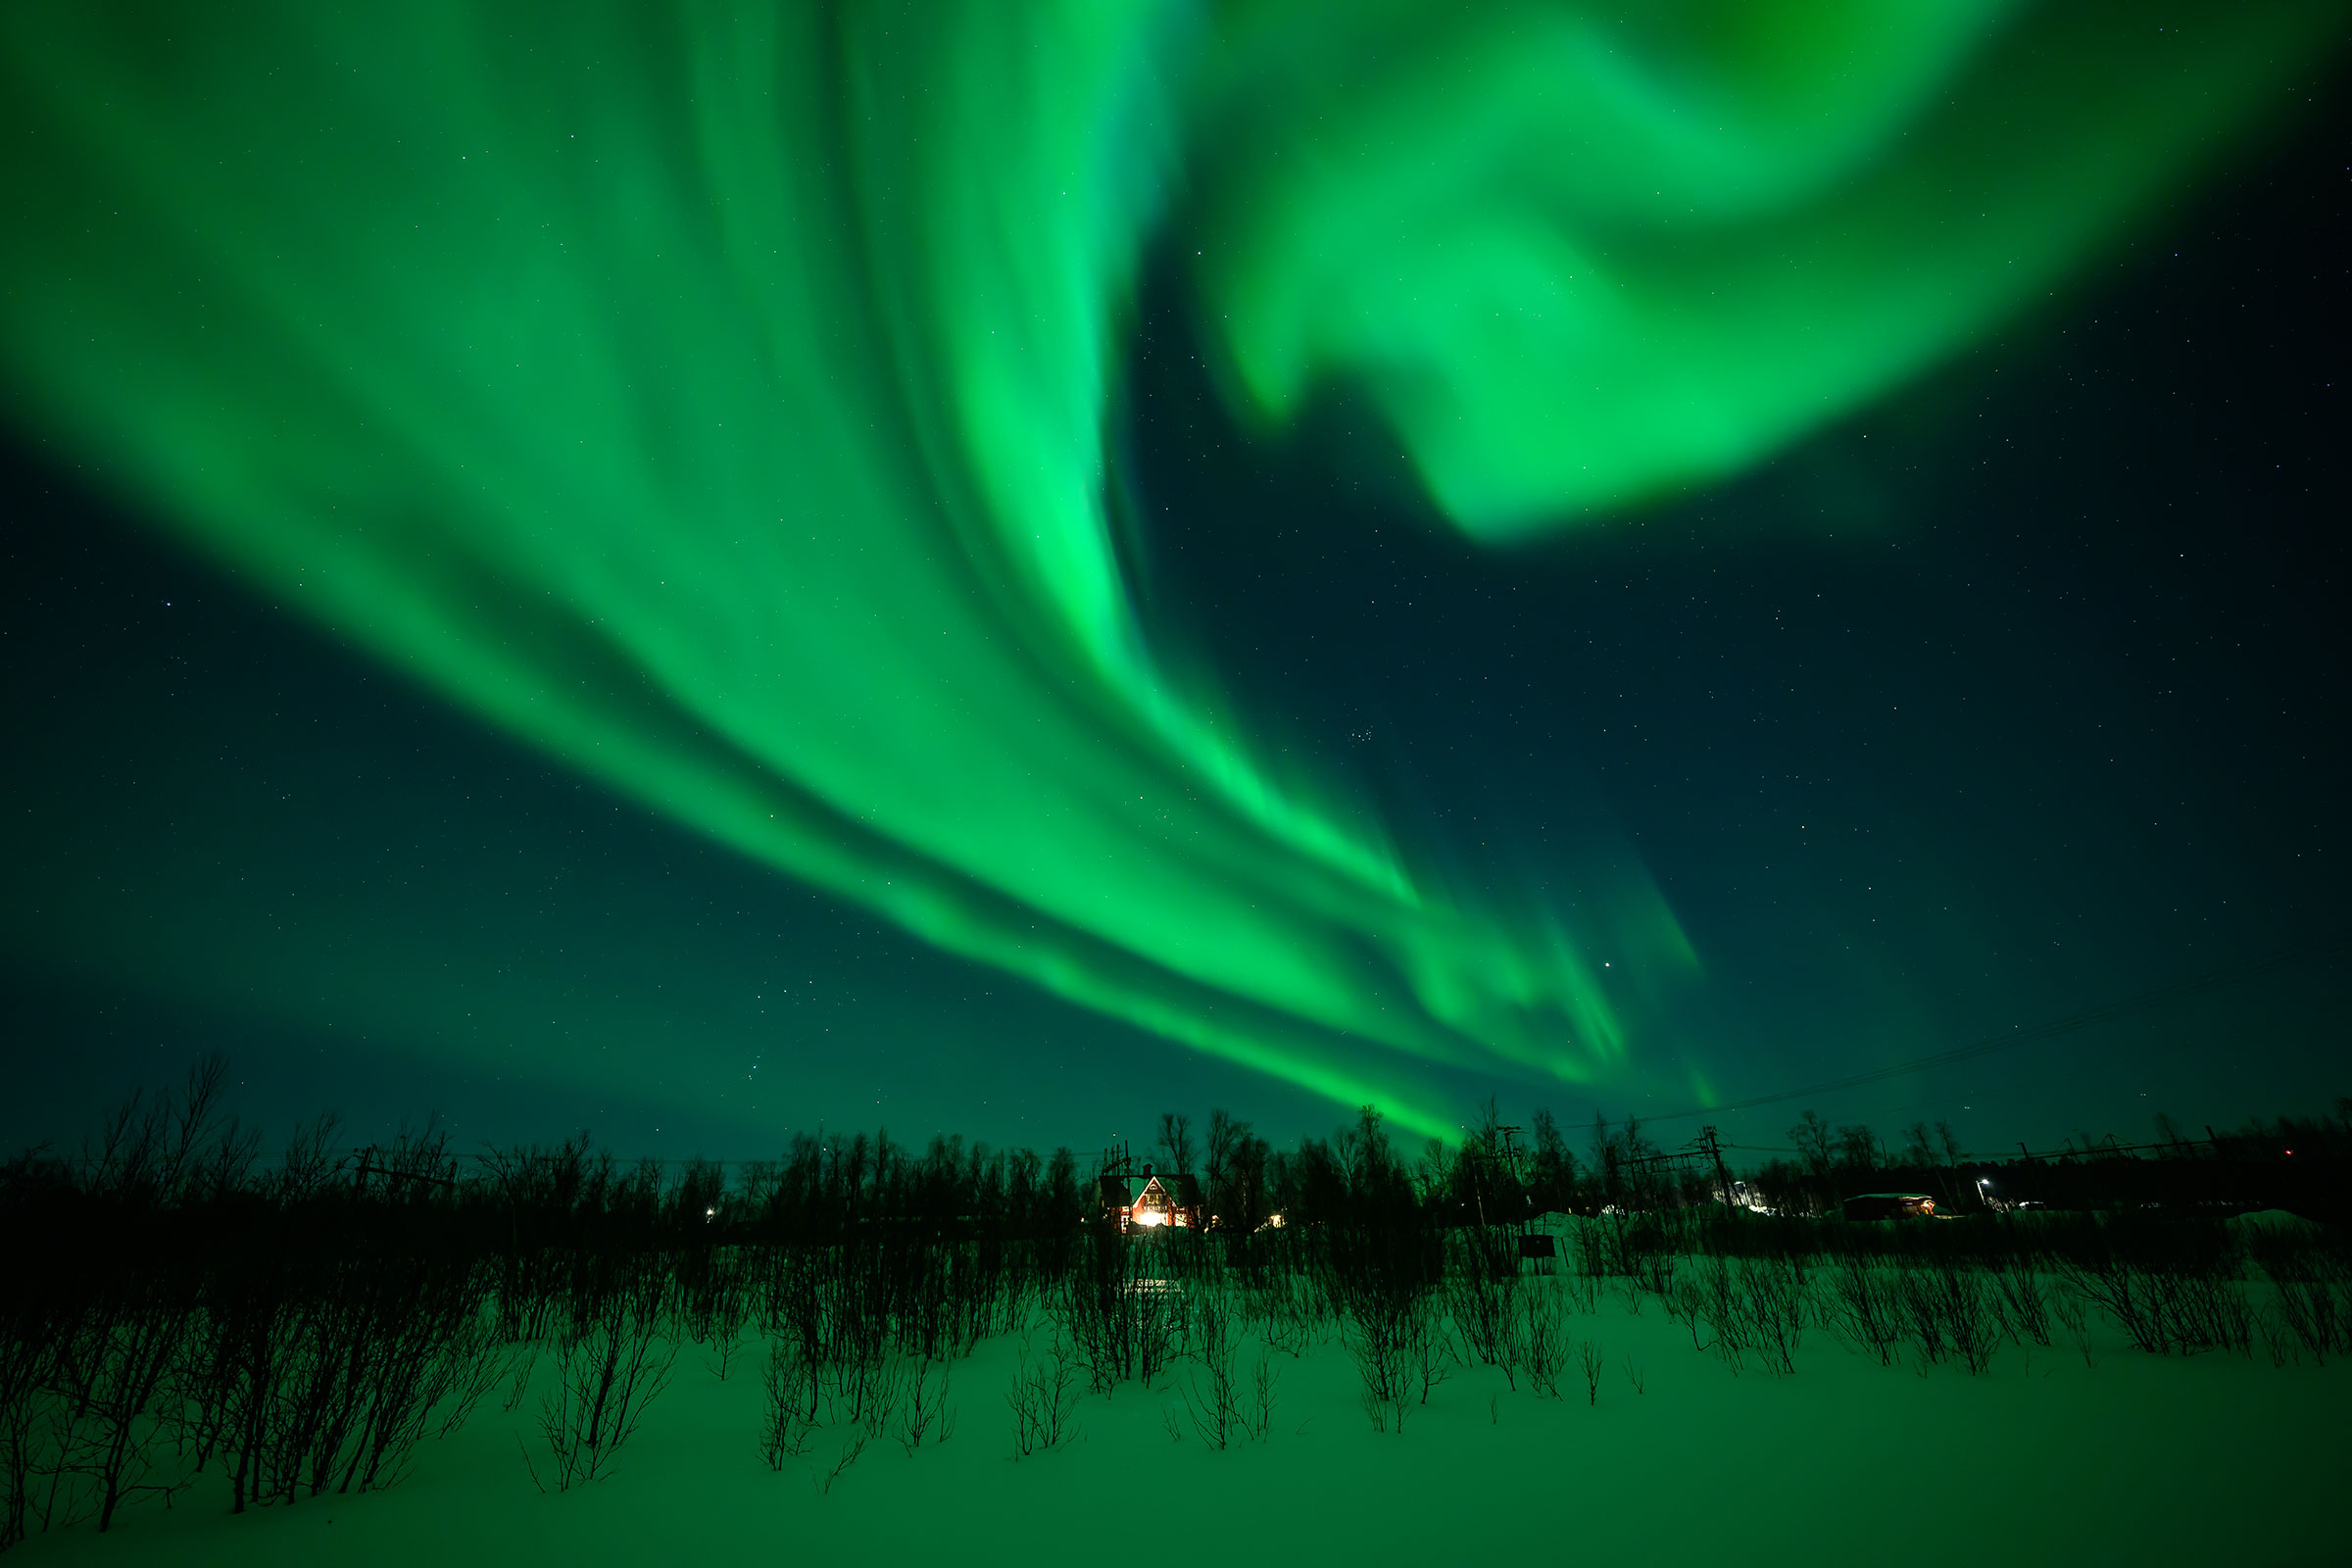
(1113, 1201)
(1891, 1206)
(1167, 1201)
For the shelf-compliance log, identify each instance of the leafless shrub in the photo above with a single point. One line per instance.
(2021, 1301)
(1292, 1307)
(1687, 1303)
(724, 1317)
(492, 1367)
(2311, 1310)
(1716, 1301)
(884, 1394)
(2182, 1309)
(1752, 1310)
(1581, 1282)
(1122, 1321)
(1592, 1252)
(524, 1362)
(1972, 1324)
(1428, 1348)
(429, 1363)
(1383, 1339)
(1044, 1399)
(1482, 1294)
(1542, 1335)
(2072, 1313)
(923, 1409)
(2278, 1339)
(1258, 1417)
(1923, 1317)
(2308, 1304)
(1588, 1356)
(1634, 1374)
(614, 1360)
(788, 1424)
(1774, 1302)
(863, 1373)
(1160, 1320)
(1967, 1312)
(850, 1455)
(1949, 1312)
(24, 1374)
(1212, 1395)
(1864, 1307)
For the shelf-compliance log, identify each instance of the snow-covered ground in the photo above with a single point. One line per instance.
(2217, 1458)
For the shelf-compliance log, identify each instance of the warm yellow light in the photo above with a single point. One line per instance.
(1150, 1217)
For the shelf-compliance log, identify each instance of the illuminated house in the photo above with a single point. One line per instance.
(1168, 1201)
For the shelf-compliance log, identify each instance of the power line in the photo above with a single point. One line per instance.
(2143, 1002)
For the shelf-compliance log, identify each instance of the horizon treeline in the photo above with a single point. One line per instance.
(1496, 1172)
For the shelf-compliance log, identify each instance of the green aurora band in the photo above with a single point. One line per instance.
(715, 394)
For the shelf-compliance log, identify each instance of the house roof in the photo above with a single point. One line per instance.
(1177, 1191)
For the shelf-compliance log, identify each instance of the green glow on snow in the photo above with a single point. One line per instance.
(713, 394)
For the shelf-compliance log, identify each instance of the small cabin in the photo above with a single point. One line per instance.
(1167, 1201)
(1113, 1201)
(1891, 1206)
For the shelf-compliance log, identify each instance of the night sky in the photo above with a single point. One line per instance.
(2011, 693)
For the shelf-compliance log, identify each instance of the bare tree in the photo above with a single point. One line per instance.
(1228, 1160)
(1811, 1137)
(1175, 1145)
(1857, 1150)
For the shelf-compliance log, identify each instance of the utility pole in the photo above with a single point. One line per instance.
(1510, 1163)
(1714, 1149)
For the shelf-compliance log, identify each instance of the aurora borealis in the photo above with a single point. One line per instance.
(740, 405)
